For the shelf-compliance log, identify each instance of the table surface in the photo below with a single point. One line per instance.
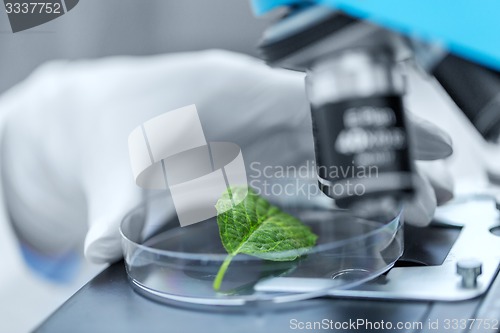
(108, 304)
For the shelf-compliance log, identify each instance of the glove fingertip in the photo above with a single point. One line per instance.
(418, 216)
(420, 211)
(431, 142)
(101, 248)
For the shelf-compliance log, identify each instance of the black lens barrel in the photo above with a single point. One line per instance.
(362, 148)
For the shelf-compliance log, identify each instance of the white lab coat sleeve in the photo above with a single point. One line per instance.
(26, 299)
(21, 97)
(39, 164)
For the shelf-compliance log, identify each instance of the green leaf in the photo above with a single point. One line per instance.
(257, 228)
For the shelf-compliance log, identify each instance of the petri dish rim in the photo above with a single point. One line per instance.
(394, 223)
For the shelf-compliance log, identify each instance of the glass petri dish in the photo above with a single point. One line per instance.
(168, 263)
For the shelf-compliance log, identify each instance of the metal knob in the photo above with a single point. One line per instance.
(469, 270)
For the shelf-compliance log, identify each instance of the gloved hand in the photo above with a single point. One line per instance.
(65, 164)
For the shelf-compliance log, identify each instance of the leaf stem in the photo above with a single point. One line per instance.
(222, 271)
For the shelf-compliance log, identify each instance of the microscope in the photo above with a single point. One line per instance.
(354, 53)
(355, 84)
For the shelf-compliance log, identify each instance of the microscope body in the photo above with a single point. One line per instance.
(355, 84)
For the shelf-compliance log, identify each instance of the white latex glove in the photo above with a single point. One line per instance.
(65, 157)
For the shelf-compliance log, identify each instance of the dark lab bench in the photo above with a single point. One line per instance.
(108, 304)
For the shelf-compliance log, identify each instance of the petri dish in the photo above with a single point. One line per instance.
(168, 263)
